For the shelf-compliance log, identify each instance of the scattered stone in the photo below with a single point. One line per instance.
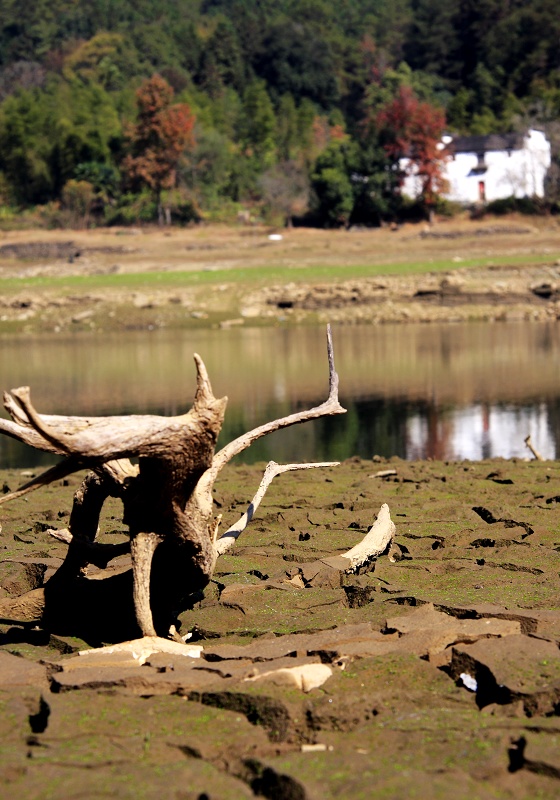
(510, 669)
(426, 631)
(24, 610)
(331, 646)
(384, 473)
(326, 573)
(537, 622)
(306, 677)
(22, 575)
(82, 315)
(143, 301)
(452, 284)
(16, 671)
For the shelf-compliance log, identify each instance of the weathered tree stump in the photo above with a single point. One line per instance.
(167, 502)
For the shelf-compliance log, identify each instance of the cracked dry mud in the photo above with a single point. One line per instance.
(304, 682)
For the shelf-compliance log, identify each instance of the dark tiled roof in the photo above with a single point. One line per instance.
(484, 144)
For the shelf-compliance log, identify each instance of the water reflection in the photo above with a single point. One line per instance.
(416, 391)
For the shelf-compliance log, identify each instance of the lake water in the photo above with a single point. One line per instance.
(461, 391)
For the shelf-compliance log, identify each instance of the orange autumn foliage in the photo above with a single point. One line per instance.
(413, 130)
(160, 136)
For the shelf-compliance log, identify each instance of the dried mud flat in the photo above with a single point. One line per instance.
(434, 674)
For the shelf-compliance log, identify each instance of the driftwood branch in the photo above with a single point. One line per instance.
(142, 549)
(222, 457)
(228, 539)
(535, 452)
(329, 407)
(104, 439)
(375, 542)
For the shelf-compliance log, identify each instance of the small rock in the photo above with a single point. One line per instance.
(384, 473)
(511, 669)
(306, 678)
(16, 671)
(426, 631)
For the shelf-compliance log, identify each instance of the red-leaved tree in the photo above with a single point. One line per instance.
(412, 130)
(158, 139)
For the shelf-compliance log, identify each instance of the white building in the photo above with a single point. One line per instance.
(479, 169)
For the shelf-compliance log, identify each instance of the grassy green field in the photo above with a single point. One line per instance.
(265, 273)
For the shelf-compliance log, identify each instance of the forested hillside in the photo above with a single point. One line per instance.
(280, 108)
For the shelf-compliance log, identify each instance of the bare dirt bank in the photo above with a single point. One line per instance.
(487, 294)
(114, 280)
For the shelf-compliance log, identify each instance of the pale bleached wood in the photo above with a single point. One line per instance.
(142, 649)
(228, 539)
(222, 457)
(142, 549)
(62, 534)
(375, 542)
(110, 438)
(13, 409)
(534, 451)
(329, 407)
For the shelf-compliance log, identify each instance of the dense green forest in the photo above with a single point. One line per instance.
(285, 109)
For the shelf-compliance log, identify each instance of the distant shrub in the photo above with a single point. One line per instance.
(132, 209)
(447, 208)
(530, 206)
(180, 208)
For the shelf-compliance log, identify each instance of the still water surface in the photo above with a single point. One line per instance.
(442, 391)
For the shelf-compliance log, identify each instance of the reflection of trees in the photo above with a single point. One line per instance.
(553, 407)
(439, 431)
(383, 427)
(374, 426)
(436, 428)
(486, 441)
(378, 426)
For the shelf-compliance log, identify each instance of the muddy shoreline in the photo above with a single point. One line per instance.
(490, 295)
(433, 673)
(135, 280)
(443, 659)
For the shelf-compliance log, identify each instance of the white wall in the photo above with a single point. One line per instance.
(519, 173)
